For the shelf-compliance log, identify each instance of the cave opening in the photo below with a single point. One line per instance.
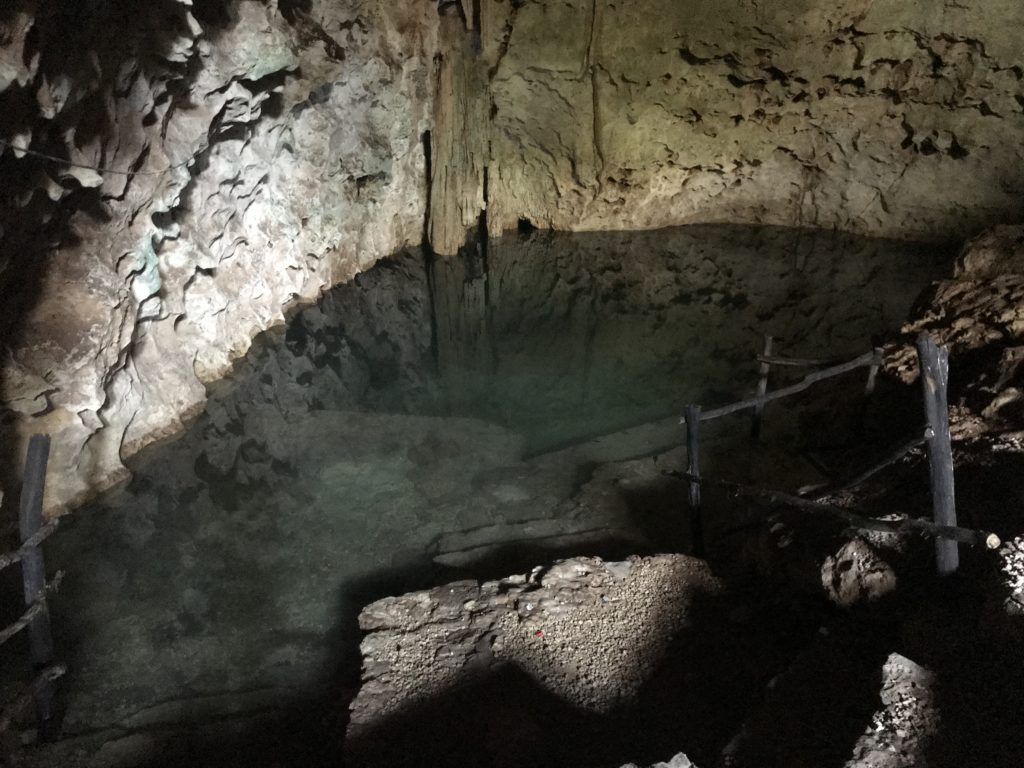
(362, 333)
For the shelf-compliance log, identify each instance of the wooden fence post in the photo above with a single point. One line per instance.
(33, 570)
(762, 388)
(693, 470)
(934, 362)
(869, 387)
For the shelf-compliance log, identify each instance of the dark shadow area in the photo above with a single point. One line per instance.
(975, 650)
(989, 492)
(710, 683)
(970, 637)
(815, 713)
(297, 727)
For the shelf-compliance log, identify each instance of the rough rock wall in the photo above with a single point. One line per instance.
(880, 117)
(255, 152)
(544, 650)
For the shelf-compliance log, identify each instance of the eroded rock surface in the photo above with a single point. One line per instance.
(980, 304)
(856, 574)
(587, 632)
(907, 718)
(881, 118)
(978, 314)
(253, 153)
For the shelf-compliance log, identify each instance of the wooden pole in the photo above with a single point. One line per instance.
(934, 362)
(33, 570)
(762, 387)
(869, 387)
(693, 470)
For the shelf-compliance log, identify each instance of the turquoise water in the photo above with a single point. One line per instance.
(228, 573)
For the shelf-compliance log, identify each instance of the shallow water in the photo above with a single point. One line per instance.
(229, 572)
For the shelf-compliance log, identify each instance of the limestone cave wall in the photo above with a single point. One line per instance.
(878, 117)
(252, 154)
(226, 160)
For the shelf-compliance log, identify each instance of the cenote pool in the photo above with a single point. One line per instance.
(362, 440)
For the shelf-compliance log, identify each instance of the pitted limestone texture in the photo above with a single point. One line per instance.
(587, 632)
(879, 118)
(245, 167)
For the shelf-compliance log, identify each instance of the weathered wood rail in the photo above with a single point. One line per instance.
(934, 365)
(859, 520)
(36, 617)
(891, 458)
(934, 380)
(10, 558)
(864, 361)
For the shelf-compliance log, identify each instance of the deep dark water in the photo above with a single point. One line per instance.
(570, 334)
(226, 577)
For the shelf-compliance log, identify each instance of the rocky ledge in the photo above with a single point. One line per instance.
(583, 632)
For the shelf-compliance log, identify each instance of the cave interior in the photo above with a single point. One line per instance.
(367, 336)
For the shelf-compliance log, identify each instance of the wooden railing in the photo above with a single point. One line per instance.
(36, 617)
(934, 364)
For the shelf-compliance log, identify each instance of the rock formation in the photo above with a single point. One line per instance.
(255, 153)
(978, 314)
(224, 160)
(583, 630)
